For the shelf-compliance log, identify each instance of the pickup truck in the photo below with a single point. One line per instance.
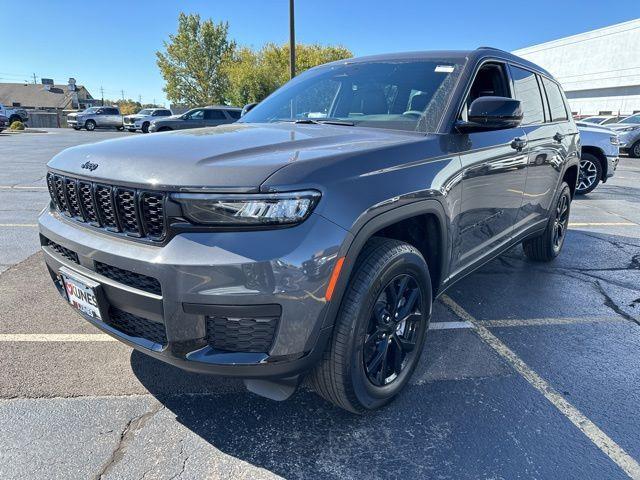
(14, 114)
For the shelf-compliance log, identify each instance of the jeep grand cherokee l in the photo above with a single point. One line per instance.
(312, 236)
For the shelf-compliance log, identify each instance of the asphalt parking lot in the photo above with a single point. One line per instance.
(530, 370)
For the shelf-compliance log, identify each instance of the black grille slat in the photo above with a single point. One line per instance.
(132, 279)
(126, 204)
(134, 212)
(136, 326)
(85, 199)
(250, 335)
(152, 211)
(105, 207)
(73, 204)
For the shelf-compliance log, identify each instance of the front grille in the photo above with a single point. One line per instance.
(135, 326)
(241, 334)
(62, 251)
(129, 211)
(132, 279)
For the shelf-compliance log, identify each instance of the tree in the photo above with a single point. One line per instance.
(192, 64)
(254, 75)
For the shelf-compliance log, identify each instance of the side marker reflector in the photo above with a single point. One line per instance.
(334, 278)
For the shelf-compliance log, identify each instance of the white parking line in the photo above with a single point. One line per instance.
(601, 224)
(449, 325)
(56, 337)
(18, 224)
(534, 322)
(22, 187)
(610, 448)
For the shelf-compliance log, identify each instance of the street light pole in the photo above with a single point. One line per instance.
(292, 41)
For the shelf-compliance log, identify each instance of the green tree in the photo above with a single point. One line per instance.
(193, 60)
(254, 75)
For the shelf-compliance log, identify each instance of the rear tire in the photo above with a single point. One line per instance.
(589, 175)
(634, 151)
(379, 332)
(90, 125)
(547, 246)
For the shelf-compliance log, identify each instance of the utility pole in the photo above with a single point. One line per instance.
(102, 94)
(140, 99)
(34, 79)
(154, 102)
(122, 91)
(292, 41)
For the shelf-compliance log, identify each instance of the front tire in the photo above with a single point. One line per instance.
(90, 125)
(547, 246)
(145, 127)
(634, 151)
(380, 329)
(589, 175)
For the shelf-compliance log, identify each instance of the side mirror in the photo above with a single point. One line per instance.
(247, 108)
(492, 113)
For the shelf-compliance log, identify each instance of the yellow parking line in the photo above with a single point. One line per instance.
(610, 448)
(18, 224)
(56, 337)
(601, 224)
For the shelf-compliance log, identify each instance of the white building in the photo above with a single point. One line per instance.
(599, 70)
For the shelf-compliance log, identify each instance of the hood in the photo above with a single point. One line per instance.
(230, 157)
(595, 129)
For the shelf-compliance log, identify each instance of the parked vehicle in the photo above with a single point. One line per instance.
(4, 123)
(14, 114)
(602, 119)
(96, 117)
(599, 157)
(142, 120)
(314, 234)
(628, 131)
(197, 118)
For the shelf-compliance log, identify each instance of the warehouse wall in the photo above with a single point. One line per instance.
(599, 70)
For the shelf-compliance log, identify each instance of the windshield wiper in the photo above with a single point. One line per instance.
(321, 121)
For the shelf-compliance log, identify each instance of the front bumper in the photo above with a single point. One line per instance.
(206, 276)
(612, 164)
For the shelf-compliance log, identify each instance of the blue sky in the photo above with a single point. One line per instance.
(112, 44)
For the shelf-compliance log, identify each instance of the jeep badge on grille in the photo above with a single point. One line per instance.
(89, 166)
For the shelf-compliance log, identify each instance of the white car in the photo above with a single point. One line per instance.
(142, 119)
(599, 157)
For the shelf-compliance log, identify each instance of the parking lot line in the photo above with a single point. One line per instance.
(532, 322)
(602, 224)
(449, 325)
(18, 225)
(21, 187)
(56, 337)
(609, 447)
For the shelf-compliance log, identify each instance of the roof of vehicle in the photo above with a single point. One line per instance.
(222, 107)
(473, 55)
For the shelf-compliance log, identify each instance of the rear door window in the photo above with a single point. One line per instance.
(214, 115)
(556, 101)
(526, 90)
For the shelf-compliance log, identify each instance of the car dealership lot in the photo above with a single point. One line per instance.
(530, 370)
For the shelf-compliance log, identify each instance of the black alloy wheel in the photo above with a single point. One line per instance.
(392, 330)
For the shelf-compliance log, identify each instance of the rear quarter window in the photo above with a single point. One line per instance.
(556, 101)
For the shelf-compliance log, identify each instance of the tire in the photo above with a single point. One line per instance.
(546, 246)
(90, 125)
(15, 118)
(120, 129)
(145, 127)
(589, 175)
(359, 333)
(131, 129)
(634, 151)
(77, 128)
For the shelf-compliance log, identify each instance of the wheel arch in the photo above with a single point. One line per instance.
(403, 223)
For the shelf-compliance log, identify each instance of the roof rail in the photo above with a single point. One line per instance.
(484, 47)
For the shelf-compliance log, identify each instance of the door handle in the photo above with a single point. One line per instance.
(519, 143)
(558, 137)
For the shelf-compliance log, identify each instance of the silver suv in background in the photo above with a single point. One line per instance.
(96, 117)
(142, 120)
(629, 132)
(197, 118)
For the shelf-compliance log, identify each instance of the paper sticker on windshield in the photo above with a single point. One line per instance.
(444, 69)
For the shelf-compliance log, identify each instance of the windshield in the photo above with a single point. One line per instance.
(91, 110)
(401, 95)
(145, 111)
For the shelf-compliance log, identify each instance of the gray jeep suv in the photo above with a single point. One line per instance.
(313, 236)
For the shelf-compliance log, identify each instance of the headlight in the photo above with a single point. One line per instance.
(614, 140)
(630, 129)
(248, 210)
